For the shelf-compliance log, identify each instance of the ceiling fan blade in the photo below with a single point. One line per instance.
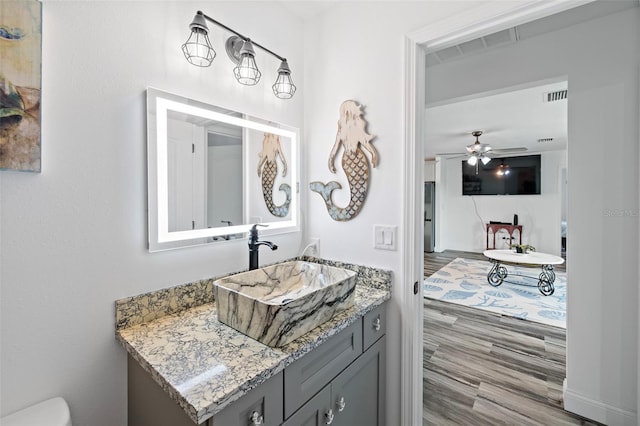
(451, 153)
(451, 156)
(508, 150)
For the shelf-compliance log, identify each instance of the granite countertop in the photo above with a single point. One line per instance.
(205, 365)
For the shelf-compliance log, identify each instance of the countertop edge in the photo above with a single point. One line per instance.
(159, 379)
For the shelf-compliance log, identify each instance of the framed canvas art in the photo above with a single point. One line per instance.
(20, 71)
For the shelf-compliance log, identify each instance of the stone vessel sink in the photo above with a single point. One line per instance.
(279, 303)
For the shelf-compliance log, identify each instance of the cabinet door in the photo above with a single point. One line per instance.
(358, 393)
(315, 412)
(261, 406)
(305, 377)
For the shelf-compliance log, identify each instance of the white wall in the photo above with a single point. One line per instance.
(224, 184)
(74, 236)
(463, 219)
(600, 59)
(356, 52)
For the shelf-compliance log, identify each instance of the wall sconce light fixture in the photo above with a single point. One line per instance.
(198, 51)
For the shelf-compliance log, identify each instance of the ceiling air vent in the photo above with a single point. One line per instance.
(472, 47)
(545, 139)
(558, 95)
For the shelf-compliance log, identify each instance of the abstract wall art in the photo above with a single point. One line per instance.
(20, 82)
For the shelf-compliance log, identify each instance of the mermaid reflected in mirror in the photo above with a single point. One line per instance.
(268, 171)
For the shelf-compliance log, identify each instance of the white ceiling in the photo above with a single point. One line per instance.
(514, 118)
(307, 9)
(508, 120)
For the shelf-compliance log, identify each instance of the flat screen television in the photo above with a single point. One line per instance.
(503, 176)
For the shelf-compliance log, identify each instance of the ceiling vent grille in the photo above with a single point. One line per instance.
(558, 95)
(542, 140)
(472, 47)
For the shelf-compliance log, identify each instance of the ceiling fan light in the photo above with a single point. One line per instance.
(485, 160)
(472, 161)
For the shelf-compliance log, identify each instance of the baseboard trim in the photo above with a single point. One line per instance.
(596, 410)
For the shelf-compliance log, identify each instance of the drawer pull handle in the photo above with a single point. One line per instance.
(256, 418)
(341, 404)
(377, 324)
(328, 417)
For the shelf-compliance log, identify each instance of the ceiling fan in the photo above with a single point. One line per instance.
(481, 151)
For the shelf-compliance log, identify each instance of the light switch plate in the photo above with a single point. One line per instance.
(385, 237)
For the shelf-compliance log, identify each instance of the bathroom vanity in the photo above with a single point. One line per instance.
(186, 368)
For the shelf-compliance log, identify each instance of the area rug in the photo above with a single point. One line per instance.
(464, 282)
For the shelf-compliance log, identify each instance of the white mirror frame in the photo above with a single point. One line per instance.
(160, 238)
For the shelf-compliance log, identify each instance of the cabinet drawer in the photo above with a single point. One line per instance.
(374, 325)
(306, 376)
(265, 401)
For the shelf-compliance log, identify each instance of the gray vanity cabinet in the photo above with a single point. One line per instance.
(305, 377)
(347, 376)
(341, 383)
(354, 398)
(150, 405)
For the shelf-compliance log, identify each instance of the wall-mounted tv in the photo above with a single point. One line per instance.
(503, 176)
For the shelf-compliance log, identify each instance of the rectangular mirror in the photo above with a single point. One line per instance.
(213, 173)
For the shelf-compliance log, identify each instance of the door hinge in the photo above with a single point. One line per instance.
(193, 148)
(193, 224)
(416, 287)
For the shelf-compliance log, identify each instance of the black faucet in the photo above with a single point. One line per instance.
(254, 245)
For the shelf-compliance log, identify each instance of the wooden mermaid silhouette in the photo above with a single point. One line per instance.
(351, 136)
(268, 170)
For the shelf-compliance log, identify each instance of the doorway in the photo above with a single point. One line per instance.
(483, 20)
(460, 307)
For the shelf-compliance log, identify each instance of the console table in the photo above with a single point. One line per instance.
(495, 227)
(498, 273)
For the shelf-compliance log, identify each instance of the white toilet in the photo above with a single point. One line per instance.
(52, 412)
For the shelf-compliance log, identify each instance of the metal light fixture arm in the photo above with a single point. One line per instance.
(244, 38)
(199, 51)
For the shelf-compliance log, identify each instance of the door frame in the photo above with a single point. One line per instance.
(481, 20)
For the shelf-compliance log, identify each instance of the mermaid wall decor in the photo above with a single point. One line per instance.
(353, 138)
(268, 171)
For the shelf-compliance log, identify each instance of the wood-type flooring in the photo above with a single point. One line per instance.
(482, 368)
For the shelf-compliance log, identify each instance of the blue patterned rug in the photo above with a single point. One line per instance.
(464, 282)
